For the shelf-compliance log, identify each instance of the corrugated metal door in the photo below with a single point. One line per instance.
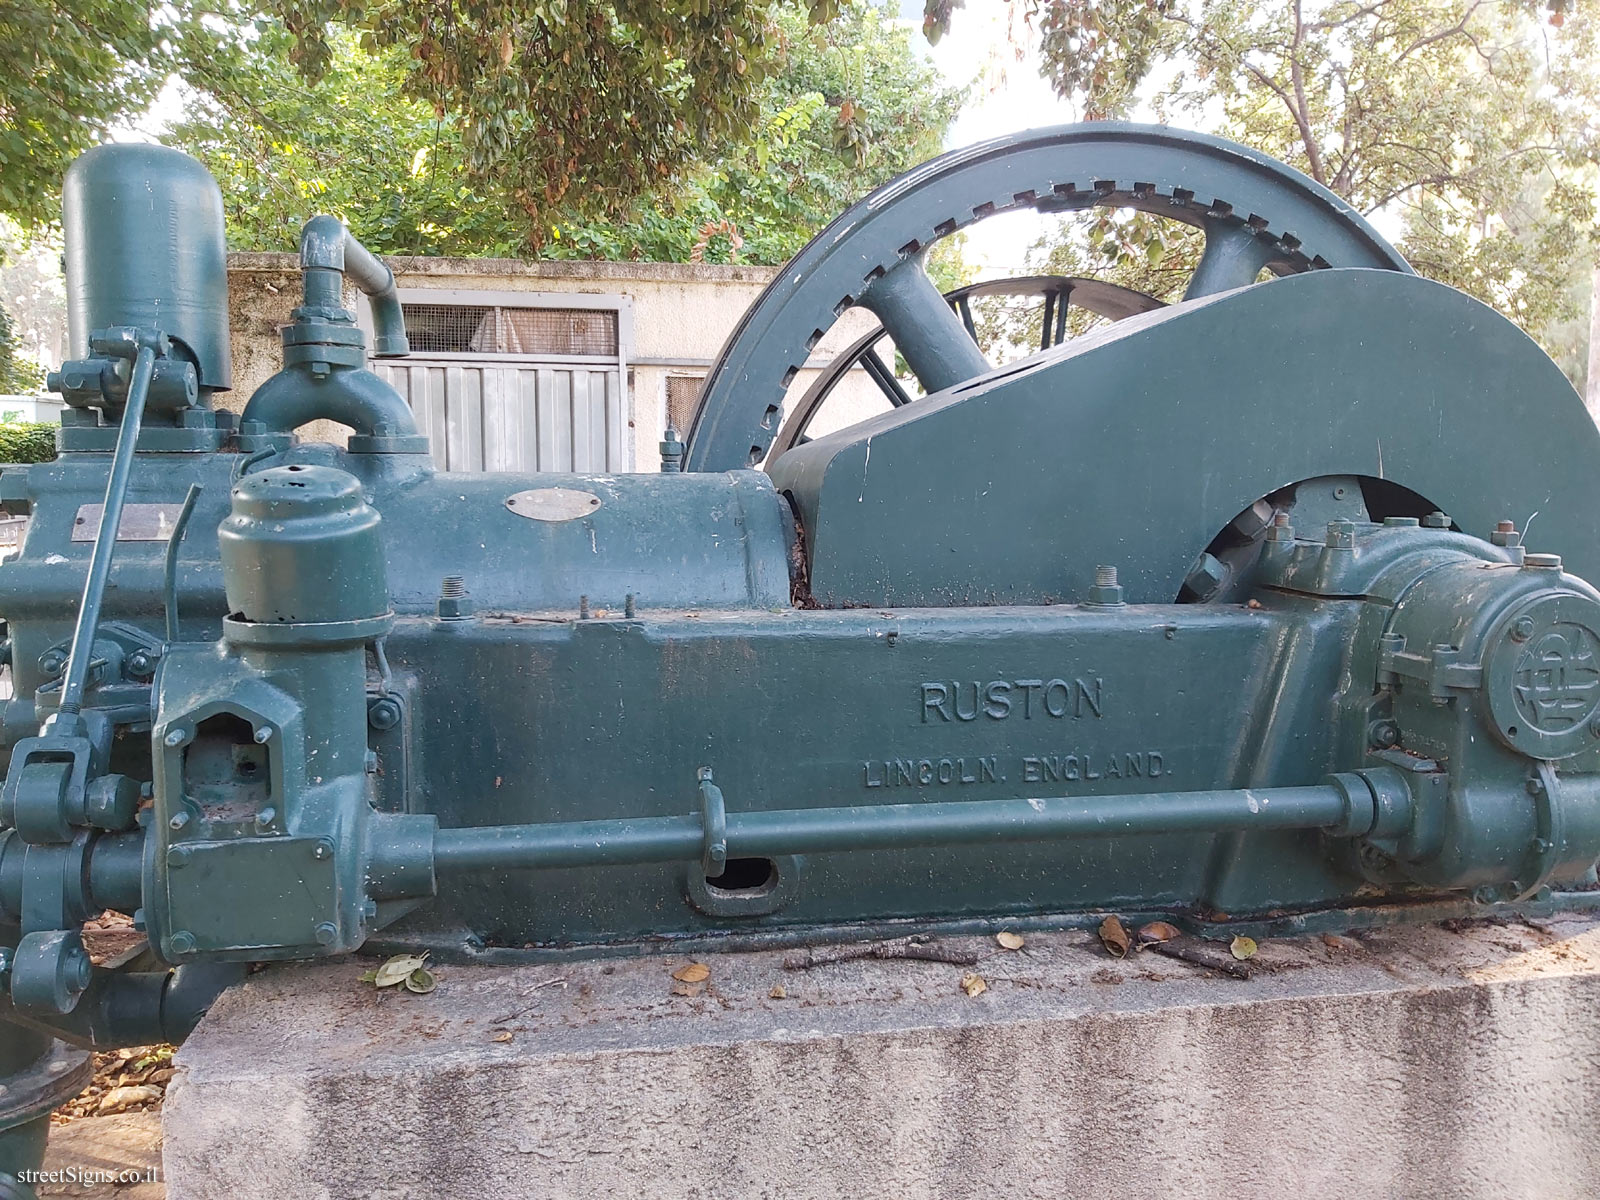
(517, 382)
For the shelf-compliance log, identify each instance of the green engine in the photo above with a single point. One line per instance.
(1219, 612)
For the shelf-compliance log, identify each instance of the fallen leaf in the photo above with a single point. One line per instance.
(397, 969)
(778, 992)
(1253, 604)
(1114, 937)
(688, 989)
(118, 1099)
(692, 973)
(1009, 940)
(973, 985)
(368, 976)
(505, 1035)
(1242, 947)
(421, 981)
(1157, 931)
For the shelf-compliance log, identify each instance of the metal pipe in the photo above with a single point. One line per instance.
(170, 565)
(326, 245)
(890, 826)
(105, 542)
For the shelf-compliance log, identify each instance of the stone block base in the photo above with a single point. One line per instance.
(1429, 1062)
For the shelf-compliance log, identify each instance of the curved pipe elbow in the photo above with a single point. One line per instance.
(326, 245)
(349, 395)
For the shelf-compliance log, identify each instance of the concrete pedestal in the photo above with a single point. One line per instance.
(1428, 1062)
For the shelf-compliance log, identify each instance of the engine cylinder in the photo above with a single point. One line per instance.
(146, 245)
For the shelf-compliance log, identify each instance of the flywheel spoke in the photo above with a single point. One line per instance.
(884, 378)
(1232, 258)
(926, 329)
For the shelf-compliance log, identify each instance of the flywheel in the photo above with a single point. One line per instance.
(1256, 214)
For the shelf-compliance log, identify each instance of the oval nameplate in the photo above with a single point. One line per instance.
(553, 504)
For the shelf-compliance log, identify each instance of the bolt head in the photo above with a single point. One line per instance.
(1522, 629)
(180, 943)
(383, 713)
(327, 933)
(323, 850)
(52, 662)
(139, 663)
(263, 735)
(175, 737)
(1436, 520)
(177, 856)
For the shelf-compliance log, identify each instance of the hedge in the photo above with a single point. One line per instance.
(27, 441)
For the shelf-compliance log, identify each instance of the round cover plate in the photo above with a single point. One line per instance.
(1544, 676)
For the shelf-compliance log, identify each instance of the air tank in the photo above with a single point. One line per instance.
(146, 245)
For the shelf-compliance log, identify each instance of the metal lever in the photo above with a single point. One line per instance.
(144, 346)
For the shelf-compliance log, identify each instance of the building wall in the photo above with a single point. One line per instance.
(682, 313)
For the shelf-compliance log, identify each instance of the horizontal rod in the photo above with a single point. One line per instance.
(889, 827)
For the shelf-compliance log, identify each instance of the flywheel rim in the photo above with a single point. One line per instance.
(1248, 203)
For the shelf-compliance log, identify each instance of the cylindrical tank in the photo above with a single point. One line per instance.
(146, 245)
(301, 546)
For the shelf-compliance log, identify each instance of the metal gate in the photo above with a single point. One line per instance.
(517, 381)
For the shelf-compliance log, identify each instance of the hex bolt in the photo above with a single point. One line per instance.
(1485, 894)
(583, 608)
(1436, 520)
(178, 821)
(327, 933)
(1281, 530)
(383, 713)
(1385, 734)
(1341, 535)
(139, 663)
(181, 942)
(52, 662)
(1206, 577)
(453, 602)
(323, 850)
(671, 451)
(1522, 629)
(628, 609)
(1106, 592)
(177, 856)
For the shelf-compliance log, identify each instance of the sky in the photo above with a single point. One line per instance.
(1008, 95)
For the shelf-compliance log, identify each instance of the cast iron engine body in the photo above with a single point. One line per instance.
(1168, 619)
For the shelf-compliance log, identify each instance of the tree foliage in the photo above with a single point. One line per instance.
(839, 107)
(72, 71)
(846, 105)
(1473, 125)
(587, 103)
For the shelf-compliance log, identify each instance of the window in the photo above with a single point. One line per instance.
(683, 397)
(507, 329)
